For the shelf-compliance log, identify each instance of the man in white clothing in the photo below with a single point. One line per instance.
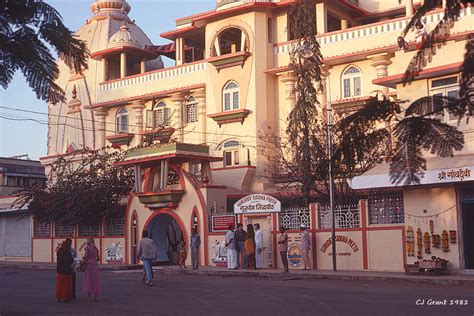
(231, 249)
(258, 247)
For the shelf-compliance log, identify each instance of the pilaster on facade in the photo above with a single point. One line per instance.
(139, 107)
(289, 79)
(409, 8)
(100, 114)
(200, 96)
(381, 62)
(178, 100)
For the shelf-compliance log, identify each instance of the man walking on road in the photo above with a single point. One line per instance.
(231, 252)
(258, 246)
(194, 245)
(147, 252)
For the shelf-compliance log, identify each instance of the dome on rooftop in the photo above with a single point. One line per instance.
(124, 37)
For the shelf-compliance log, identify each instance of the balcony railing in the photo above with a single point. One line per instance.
(383, 34)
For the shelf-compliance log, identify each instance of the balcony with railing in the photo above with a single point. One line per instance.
(165, 80)
(372, 38)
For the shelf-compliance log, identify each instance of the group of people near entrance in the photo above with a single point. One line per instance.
(67, 261)
(245, 248)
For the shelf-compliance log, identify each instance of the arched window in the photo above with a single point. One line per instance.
(234, 153)
(122, 121)
(228, 41)
(191, 110)
(231, 96)
(159, 116)
(352, 82)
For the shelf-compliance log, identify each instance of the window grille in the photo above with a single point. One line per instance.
(293, 218)
(42, 229)
(191, 110)
(115, 226)
(386, 208)
(347, 216)
(86, 230)
(63, 230)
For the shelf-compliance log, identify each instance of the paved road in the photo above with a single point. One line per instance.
(31, 292)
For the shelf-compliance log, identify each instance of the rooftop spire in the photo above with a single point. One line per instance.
(101, 6)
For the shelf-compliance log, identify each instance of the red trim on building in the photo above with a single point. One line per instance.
(365, 255)
(313, 209)
(391, 81)
(234, 167)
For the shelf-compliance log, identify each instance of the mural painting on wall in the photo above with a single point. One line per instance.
(295, 255)
(340, 238)
(220, 254)
(113, 254)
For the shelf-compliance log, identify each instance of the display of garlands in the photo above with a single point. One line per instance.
(410, 240)
(419, 243)
(427, 242)
(445, 241)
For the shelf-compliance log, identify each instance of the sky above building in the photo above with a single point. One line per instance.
(24, 132)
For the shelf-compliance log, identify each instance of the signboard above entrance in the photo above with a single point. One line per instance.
(257, 203)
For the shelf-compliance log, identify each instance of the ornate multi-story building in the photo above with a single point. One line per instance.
(231, 81)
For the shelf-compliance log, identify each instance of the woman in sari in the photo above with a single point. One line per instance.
(91, 274)
(64, 272)
(249, 245)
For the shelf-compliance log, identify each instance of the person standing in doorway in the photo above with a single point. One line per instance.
(283, 245)
(305, 246)
(194, 245)
(250, 247)
(231, 249)
(147, 252)
(240, 235)
(258, 247)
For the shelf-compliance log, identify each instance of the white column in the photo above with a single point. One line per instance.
(344, 24)
(104, 69)
(142, 65)
(321, 18)
(180, 52)
(200, 96)
(409, 7)
(381, 63)
(100, 115)
(123, 65)
(177, 122)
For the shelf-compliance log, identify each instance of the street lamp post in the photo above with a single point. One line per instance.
(305, 52)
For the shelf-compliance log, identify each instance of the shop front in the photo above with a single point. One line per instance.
(438, 212)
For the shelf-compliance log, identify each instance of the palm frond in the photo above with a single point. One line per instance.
(414, 134)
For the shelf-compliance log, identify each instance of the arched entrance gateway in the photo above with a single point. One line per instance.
(166, 231)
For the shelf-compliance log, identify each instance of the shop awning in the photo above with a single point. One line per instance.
(438, 171)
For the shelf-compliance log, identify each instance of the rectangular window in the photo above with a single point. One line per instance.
(444, 82)
(236, 158)
(453, 94)
(357, 87)
(347, 88)
(159, 118)
(227, 101)
(228, 158)
(115, 226)
(42, 229)
(63, 230)
(89, 230)
(235, 97)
